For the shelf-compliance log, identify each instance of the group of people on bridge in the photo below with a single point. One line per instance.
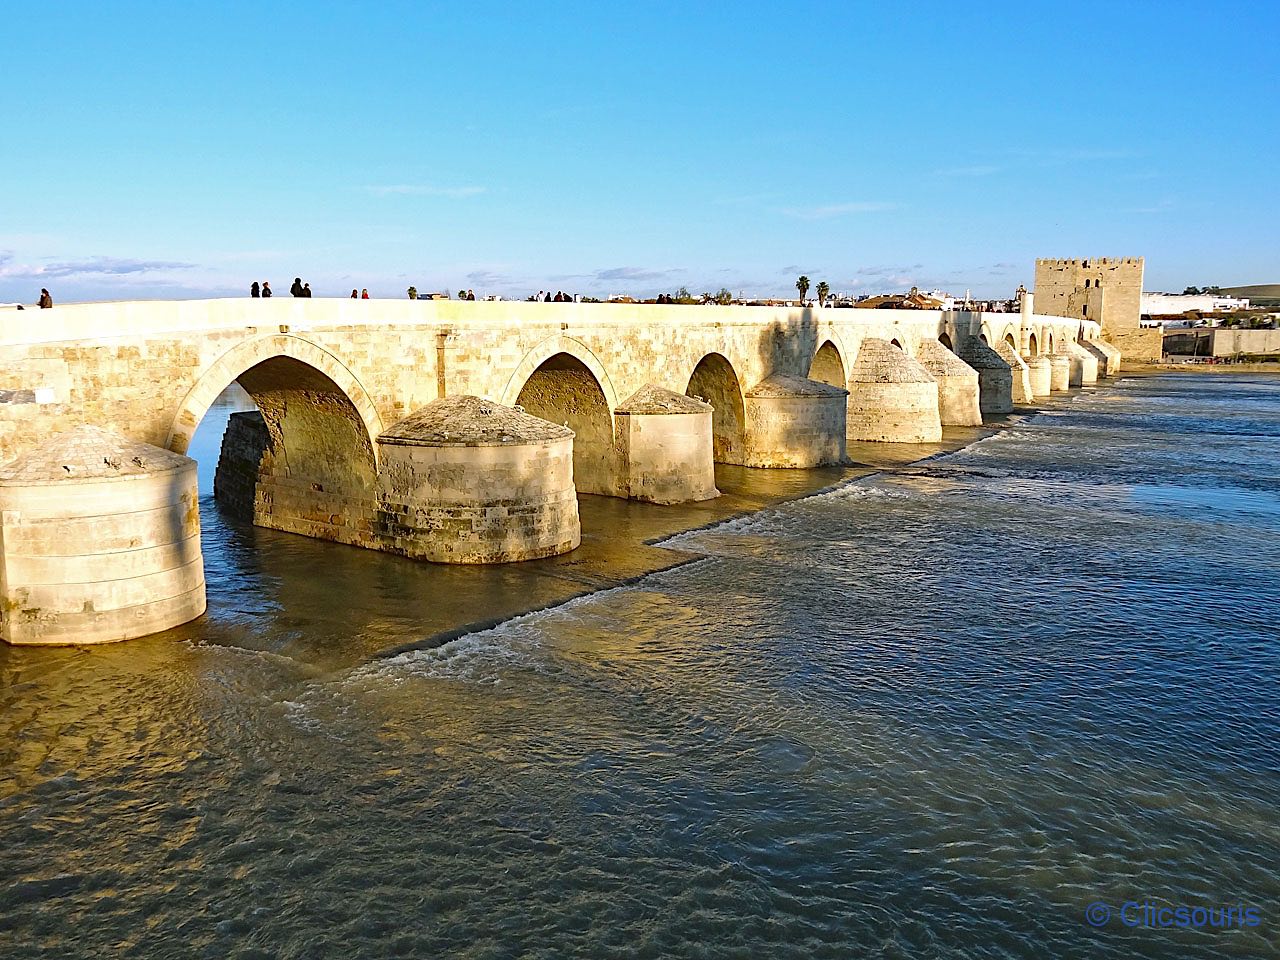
(298, 289)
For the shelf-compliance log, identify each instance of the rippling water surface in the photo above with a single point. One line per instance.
(936, 712)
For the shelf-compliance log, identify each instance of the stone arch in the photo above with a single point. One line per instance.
(715, 380)
(1008, 338)
(898, 343)
(249, 354)
(562, 389)
(945, 340)
(827, 366)
(547, 349)
(1010, 335)
(1048, 341)
(1033, 345)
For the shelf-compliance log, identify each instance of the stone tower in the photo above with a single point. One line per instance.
(1107, 290)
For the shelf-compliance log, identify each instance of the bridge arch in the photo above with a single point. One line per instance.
(544, 351)
(828, 367)
(715, 380)
(945, 340)
(569, 386)
(1048, 341)
(1033, 345)
(249, 354)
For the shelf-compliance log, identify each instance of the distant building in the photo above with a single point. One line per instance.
(1169, 304)
(914, 300)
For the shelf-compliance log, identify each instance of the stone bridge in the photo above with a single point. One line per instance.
(447, 431)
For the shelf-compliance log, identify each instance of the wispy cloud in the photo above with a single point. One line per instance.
(90, 266)
(631, 273)
(424, 190)
(489, 279)
(829, 210)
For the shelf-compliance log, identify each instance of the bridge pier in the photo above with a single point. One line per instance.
(1084, 365)
(995, 377)
(466, 480)
(99, 541)
(1040, 375)
(892, 398)
(1108, 356)
(1020, 373)
(667, 448)
(958, 391)
(794, 422)
(1059, 372)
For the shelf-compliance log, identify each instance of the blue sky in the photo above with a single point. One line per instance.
(160, 150)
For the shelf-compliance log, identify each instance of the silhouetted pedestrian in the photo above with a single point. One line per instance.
(355, 294)
(296, 289)
(253, 290)
(471, 295)
(46, 301)
(266, 288)
(306, 290)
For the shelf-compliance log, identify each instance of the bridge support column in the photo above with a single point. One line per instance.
(1059, 372)
(1019, 371)
(1040, 373)
(958, 391)
(892, 398)
(1108, 356)
(995, 378)
(465, 480)
(99, 541)
(668, 452)
(1084, 365)
(794, 422)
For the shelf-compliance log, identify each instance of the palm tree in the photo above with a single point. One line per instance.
(823, 290)
(803, 286)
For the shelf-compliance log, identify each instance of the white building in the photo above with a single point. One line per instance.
(1156, 304)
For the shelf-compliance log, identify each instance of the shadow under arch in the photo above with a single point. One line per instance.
(1008, 338)
(945, 340)
(715, 380)
(547, 349)
(1033, 345)
(564, 390)
(335, 381)
(828, 366)
(1048, 341)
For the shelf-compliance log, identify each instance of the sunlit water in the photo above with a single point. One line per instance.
(935, 713)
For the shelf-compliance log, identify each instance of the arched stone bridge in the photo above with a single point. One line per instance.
(353, 443)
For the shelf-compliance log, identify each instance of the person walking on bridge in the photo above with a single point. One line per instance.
(266, 288)
(46, 301)
(296, 289)
(253, 289)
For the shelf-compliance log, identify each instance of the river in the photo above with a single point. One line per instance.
(937, 711)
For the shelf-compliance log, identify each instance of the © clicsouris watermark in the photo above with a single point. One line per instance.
(1161, 916)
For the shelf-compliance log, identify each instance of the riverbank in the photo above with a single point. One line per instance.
(1149, 369)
